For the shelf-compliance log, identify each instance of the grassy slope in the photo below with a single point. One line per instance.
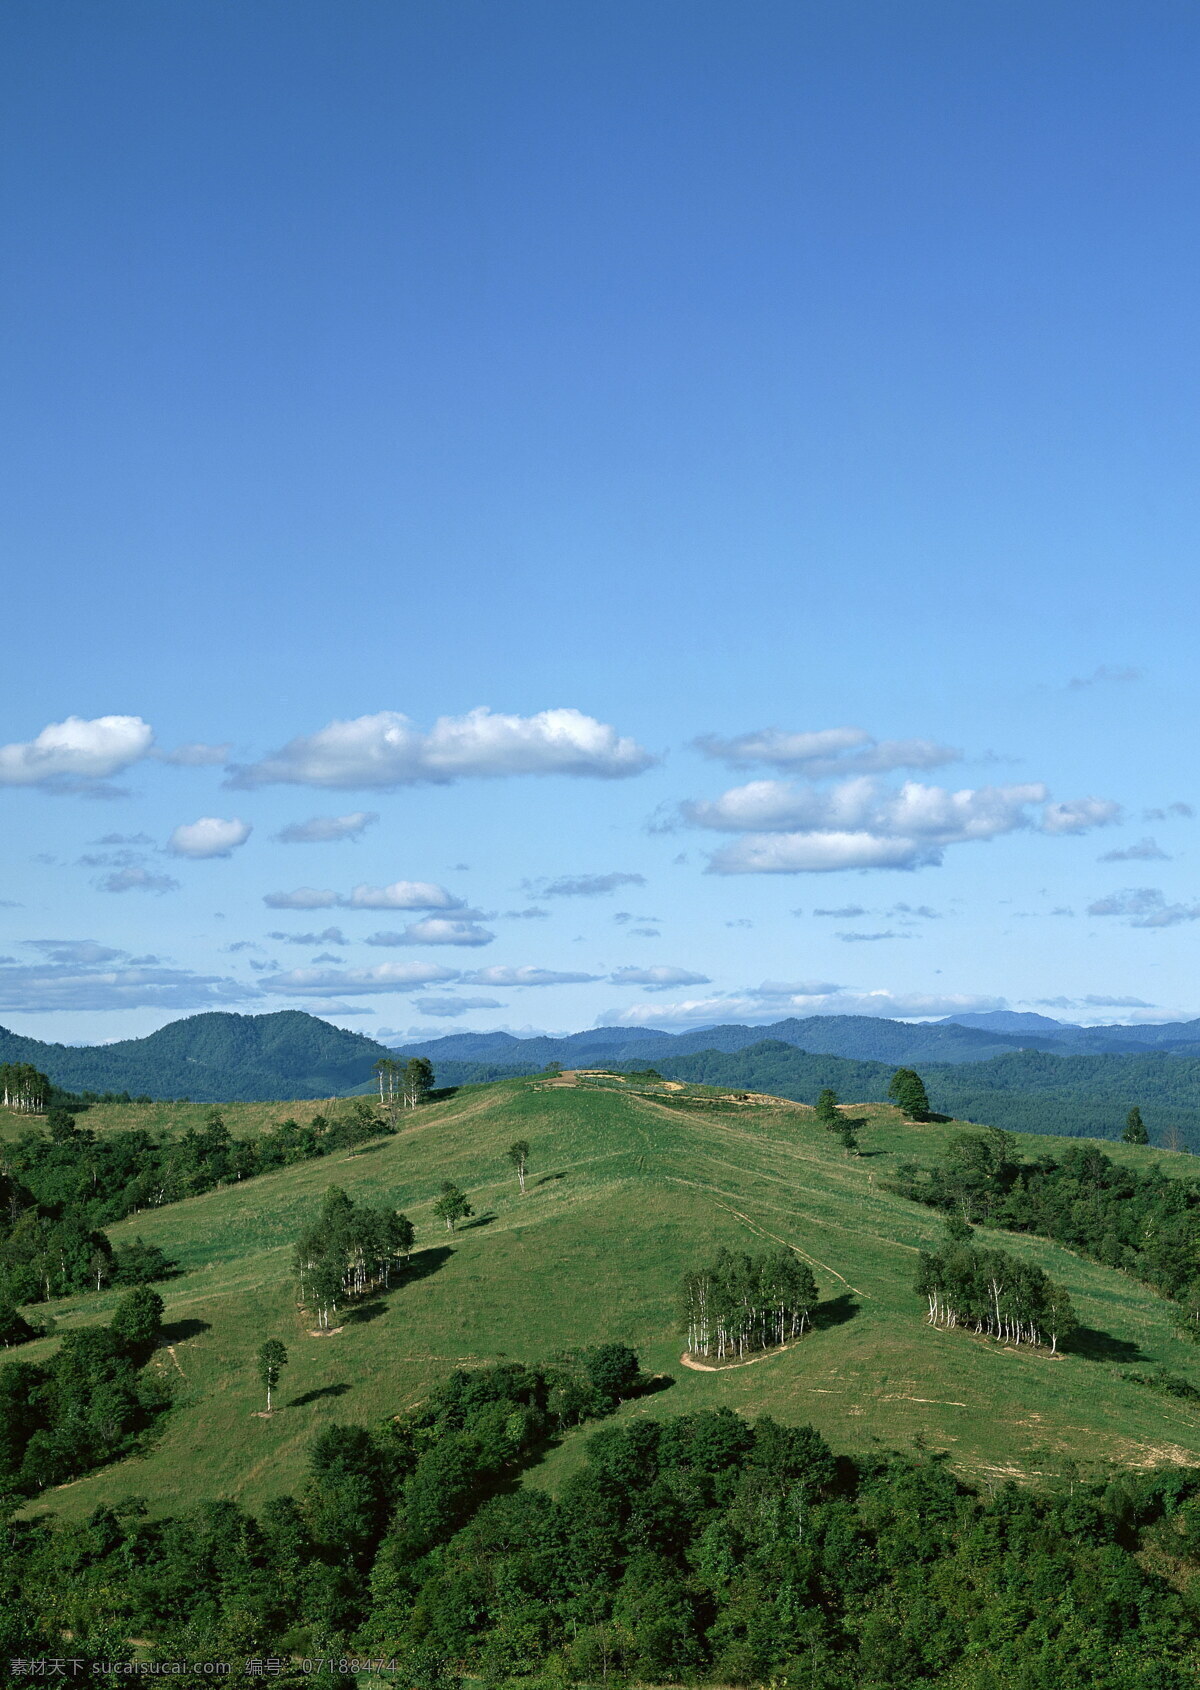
(244, 1120)
(625, 1193)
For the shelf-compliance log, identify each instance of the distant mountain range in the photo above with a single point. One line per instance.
(1055, 1077)
(958, 1038)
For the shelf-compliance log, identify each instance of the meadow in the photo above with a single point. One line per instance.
(630, 1184)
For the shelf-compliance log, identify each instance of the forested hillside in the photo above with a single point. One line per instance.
(212, 1058)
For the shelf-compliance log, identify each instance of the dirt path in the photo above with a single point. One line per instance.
(686, 1360)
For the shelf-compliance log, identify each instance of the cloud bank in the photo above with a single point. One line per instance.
(1144, 906)
(828, 751)
(400, 895)
(861, 824)
(386, 750)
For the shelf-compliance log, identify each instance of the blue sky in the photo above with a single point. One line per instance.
(536, 515)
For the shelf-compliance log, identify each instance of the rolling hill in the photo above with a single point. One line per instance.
(212, 1058)
(979, 1074)
(630, 1185)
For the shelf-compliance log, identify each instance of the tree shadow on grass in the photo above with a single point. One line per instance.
(835, 1312)
(364, 1312)
(424, 1262)
(480, 1220)
(179, 1331)
(441, 1093)
(366, 1149)
(1102, 1346)
(546, 1179)
(317, 1395)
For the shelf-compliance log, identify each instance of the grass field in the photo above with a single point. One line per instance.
(244, 1120)
(628, 1187)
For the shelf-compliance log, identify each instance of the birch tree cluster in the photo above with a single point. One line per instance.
(352, 1249)
(23, 1088)
(992, 1293)
(743, 1303)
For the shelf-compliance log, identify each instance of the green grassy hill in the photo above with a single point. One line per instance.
(626, 1191)
(1024, 1091)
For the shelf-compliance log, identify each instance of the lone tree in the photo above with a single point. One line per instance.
(452, 1205)
(907, 1091)
(613, 1371)
(272, 1359)
(518, 1155)
(849, 1139)
(137, 1320)
(827, 1110)
(1135, 1128)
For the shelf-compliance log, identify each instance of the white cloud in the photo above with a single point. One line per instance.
(73, 755)
(81, 978)
(773, 1002)
(330, 936)
(402, 895)
(1103, 674)
(303, 898)
(785, 750)
(912, 811)
(659, 979)
(868, 938)
(79, 952)
(211, 836)
(196, 755)
(829, 751)
(1079, 815)
(352, 982)
(135, 878)
(504, 975)
(820, 853)
(587, 885)
(323, 830)
(861, 824)
(1146, 850)
(1144, 906)
(1180, 809)
(436, 930)
(452, 1006)
(386, 750)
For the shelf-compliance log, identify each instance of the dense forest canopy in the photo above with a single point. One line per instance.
(697, 1548)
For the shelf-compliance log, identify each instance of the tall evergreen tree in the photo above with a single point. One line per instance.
(827, 1109)
(1135, 1128)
